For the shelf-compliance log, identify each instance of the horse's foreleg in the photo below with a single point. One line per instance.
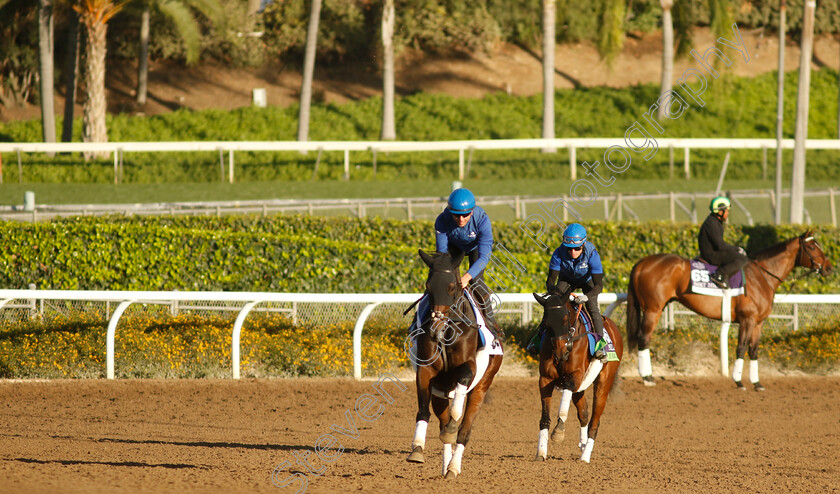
(599, 402)
(754, 339)
(559, 432)
(546, 390)
(418, 444)
(465, 374)
(745, 329)
(579, 399)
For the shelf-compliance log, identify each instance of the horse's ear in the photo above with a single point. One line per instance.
(428, 259)
(541, 299)
(456, 260)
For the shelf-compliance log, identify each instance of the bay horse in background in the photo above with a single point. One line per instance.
(662, 278)
(447, 340)
(565, 364)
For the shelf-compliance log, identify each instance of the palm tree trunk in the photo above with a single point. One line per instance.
(667, 53)
(143, 62)
(71, 74)
(46, 46)
(780, 111)
(308, 71)
(797, 187)
(94, 125)
(388, 127)
(549, 37)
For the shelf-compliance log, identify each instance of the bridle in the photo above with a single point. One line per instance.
(815, 267)
(571, 337)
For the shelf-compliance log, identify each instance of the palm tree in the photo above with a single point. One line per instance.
(388, 127)
(94, 15)
(549, 19)
(187, 27)
(611, 29)
(308, 70)
(46, 48)
(667, 52)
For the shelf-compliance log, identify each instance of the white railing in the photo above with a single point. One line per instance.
(682, 206)
(117, 149)
(252, 299)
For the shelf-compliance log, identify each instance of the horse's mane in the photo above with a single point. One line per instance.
(773, 250)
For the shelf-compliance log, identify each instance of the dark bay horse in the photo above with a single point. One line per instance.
(662, 278)
(565, 364)
(446, 343)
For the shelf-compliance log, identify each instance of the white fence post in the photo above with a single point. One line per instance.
(237, 331)
(109, 338)
(357, 339)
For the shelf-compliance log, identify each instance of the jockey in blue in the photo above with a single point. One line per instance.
(465, 227)
(576, 265)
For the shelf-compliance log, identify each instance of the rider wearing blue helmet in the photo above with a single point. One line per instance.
(576, 265)
(465, 227)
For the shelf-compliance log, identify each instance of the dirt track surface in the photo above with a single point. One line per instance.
(695, 434)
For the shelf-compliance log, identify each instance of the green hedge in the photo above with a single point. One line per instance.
(314, 254)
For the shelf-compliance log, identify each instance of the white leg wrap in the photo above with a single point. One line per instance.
(455, 464)
(587, 451)
(565, 401)
(447, 457)
(753, 371)
(584, 436)
(542, 445)
(644, 363)
(738, 369)
(420, 434)
(457, 407)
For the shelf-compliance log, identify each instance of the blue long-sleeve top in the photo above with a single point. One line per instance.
(576, 271)
(476, 234)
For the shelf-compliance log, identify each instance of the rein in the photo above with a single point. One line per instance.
(795, 278)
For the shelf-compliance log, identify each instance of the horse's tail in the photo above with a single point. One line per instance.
(634, 312)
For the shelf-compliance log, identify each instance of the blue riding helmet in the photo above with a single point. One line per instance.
(461, 201)
(574, 235)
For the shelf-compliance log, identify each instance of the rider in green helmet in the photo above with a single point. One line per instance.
(714, 250)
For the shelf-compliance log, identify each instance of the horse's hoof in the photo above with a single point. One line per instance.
(558, 434)
(450, 475)
(759, 387)
(539, 458)
(740, 385)
(648, 381)
(416, 456)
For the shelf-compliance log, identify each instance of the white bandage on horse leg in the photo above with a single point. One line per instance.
(542, 445)
(447, 457)
(644, 363)
(587, 451)
(565, 400)
(753, 371)
(420, 434)
(584, 436)
(738, 370)
(455, 464)
(457, 408)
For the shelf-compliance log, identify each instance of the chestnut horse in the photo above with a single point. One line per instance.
(446, 344)
(565, 364)
(662, 278)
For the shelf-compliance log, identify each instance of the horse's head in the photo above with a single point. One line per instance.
(811, 254)
(443, 286)
(556, 323)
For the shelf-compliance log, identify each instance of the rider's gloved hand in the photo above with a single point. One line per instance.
(742, 251)
(581, 299)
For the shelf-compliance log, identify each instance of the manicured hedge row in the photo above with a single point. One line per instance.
(315, 254)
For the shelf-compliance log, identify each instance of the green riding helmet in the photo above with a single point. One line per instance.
(719, 204)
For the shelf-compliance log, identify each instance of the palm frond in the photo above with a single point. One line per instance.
(186, 25)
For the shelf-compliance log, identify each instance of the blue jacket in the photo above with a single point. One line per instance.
(476, 234)
(576, 271)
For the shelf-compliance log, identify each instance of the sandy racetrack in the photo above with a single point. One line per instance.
(696, 434)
